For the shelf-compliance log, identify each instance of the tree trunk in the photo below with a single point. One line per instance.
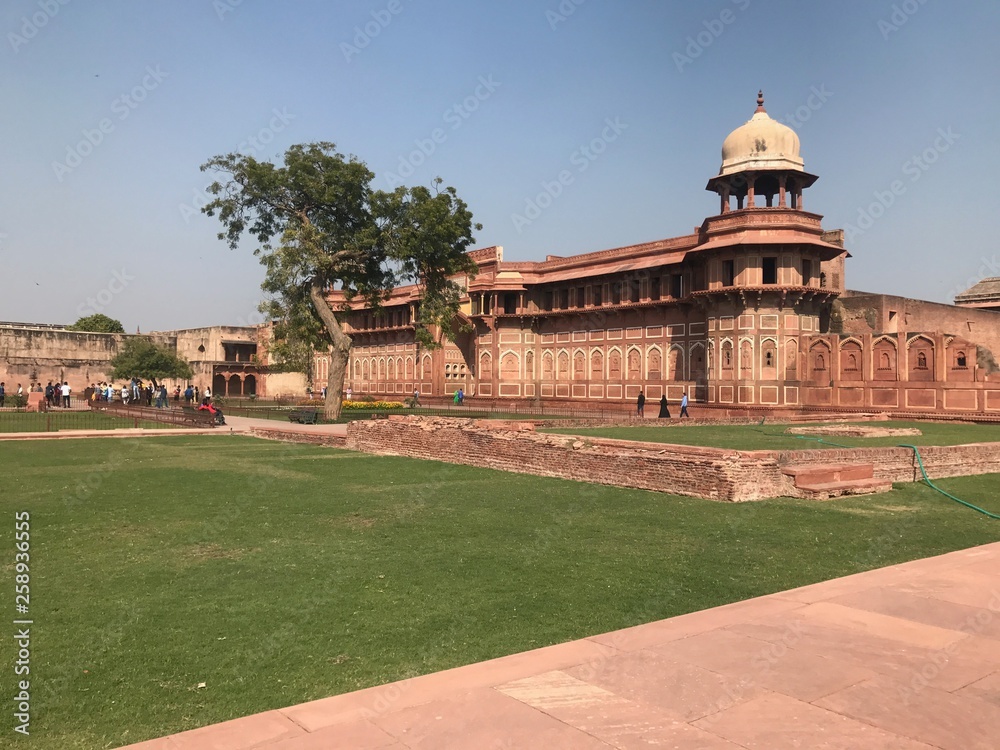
(341, 344)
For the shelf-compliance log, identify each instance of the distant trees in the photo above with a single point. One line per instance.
(141, 358)
(98, 323)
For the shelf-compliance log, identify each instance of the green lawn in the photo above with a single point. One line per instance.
(56, 420)
(276, 574)
(773, 437)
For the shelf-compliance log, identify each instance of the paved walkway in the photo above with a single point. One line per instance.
(902, 658)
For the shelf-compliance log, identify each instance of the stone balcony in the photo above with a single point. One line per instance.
(762, 218)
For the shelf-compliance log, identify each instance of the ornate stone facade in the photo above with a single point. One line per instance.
(740, 313)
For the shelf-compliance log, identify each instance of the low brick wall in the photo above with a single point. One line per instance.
(290, 435)
(900, 465)
(700, 472)
(711, 473)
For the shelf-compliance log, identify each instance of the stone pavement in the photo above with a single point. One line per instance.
(902, 658)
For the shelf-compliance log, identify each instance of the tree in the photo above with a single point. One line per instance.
(321, 227)
(98, 323)
(141, 358)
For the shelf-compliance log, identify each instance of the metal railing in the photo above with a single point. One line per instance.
(58, 420)
(175, 416)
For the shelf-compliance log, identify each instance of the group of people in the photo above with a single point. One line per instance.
(55, 395)
(139, 393)
(640, 406)
(136, 392)
(143, 393)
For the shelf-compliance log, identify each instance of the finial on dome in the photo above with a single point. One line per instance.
(760, 101)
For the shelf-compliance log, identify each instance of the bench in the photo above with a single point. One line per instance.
(303, 416)
(185, 416)
(199, 417)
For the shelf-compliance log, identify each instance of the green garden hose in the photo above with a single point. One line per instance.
(931, 484)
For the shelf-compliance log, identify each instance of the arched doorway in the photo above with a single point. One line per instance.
(219, 385)
(235, 387)
(250, 384)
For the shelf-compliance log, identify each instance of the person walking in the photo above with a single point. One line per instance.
(416, 397)
(684, 406)
(66, 391)
(3, 393)
(640, 405)
(664, 409)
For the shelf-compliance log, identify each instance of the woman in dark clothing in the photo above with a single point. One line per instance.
(664, 409)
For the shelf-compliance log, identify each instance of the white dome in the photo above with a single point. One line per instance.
(761, 144)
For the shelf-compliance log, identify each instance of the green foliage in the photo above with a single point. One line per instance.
(427, 235)
(98, 323)
(141, 358)
(320, 226)
(16, 400)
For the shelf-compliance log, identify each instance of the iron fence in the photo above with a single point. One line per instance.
(56, 420)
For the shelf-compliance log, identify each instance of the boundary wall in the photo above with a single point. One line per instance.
(711, 473)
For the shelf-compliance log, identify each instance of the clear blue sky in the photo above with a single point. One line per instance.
(514, 90)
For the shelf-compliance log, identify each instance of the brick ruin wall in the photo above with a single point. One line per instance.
(711, 473)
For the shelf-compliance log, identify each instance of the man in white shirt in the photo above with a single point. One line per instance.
(66, 390)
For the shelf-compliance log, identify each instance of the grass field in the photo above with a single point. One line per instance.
(773, 437)
(276, 574)
(56, 420)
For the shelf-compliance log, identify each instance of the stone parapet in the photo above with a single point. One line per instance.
(711, 473)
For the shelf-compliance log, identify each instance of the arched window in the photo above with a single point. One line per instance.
(597, 366)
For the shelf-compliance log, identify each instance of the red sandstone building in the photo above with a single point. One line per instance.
(749, 311)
